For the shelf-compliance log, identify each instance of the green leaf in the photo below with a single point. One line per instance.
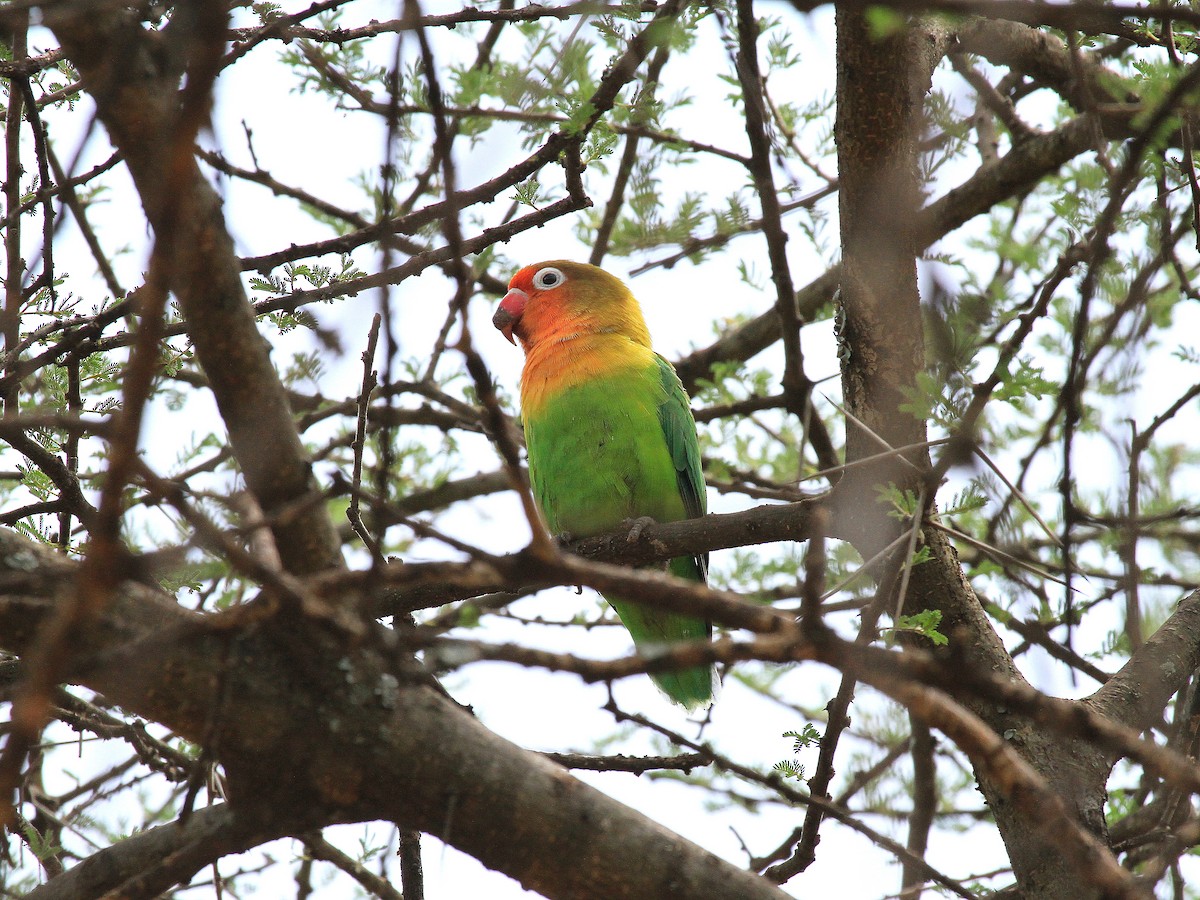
(924, 623)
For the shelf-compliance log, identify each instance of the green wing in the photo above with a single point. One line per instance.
(693, 688)
(679, 428)
(595, 460)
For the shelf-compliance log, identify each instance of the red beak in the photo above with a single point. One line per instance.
(509, 312)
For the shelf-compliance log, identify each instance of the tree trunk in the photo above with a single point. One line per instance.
(879, 95)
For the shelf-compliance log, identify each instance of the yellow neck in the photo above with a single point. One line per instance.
(568, 359)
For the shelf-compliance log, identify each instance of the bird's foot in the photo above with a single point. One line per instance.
(563, 538)
(636, 527)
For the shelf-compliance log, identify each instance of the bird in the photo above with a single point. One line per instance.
(609, 433)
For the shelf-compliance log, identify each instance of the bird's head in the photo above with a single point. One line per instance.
(560, 299)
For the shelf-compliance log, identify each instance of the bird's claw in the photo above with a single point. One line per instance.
(563, 538)
(636, 527)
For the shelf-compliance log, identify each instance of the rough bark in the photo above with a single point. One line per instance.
(878, 122)
(880, 338)
(312, 727)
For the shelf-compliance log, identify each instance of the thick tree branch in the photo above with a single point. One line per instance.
(1041, 807)
(878, 122)
(1081, 80)
(150, 863)
(257, 694)
(1135, 696)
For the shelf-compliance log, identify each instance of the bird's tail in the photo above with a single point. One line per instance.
(693, 689)
(653, 632)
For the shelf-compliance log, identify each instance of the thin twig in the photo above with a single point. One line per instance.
(369, 381)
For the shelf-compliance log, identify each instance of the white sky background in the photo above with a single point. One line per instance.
(302, 140)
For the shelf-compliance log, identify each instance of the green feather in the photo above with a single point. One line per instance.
(622, 446)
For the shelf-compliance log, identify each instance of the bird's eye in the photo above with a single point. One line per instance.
(548, 277)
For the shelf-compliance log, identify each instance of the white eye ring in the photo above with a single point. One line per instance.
(548, 278)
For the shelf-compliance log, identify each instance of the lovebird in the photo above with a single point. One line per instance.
(609, 433)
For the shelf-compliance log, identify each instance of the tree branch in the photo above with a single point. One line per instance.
(1135, 696)
(260, 692)
(106, 45)
(150, 863)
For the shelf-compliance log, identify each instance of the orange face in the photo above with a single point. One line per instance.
(530, 300)
(553, 302)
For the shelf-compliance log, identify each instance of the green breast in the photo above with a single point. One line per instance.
(598, 456)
